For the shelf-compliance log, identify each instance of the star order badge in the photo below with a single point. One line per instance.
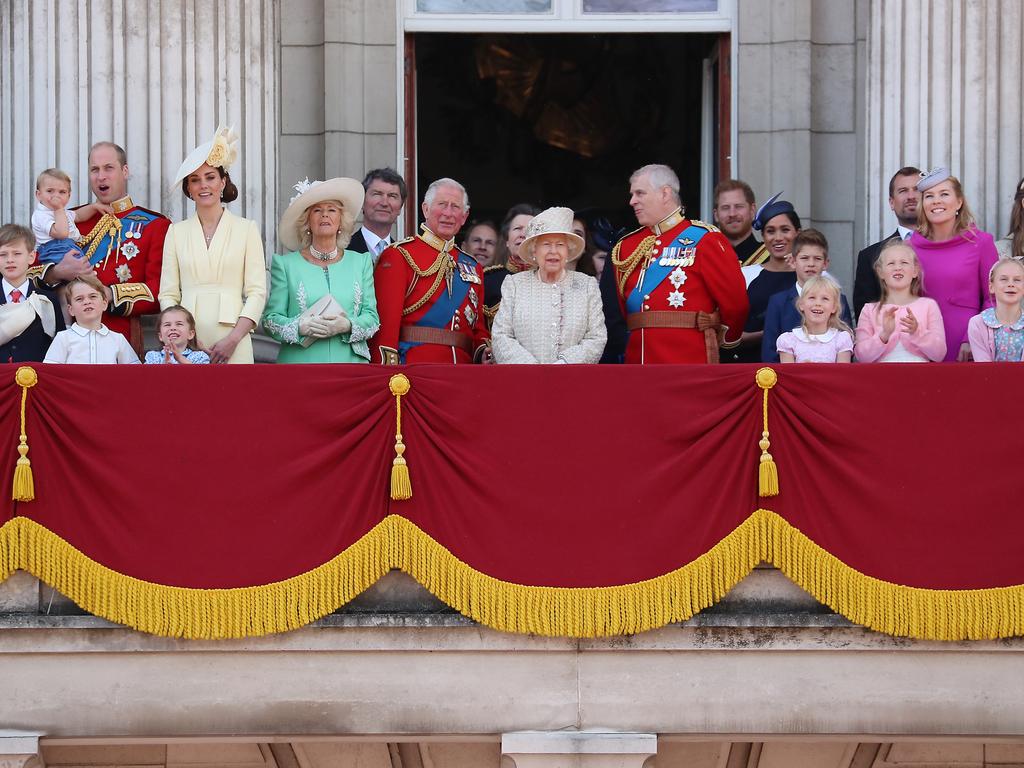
(129, 250)
(677, 278)
(676, 299)
(123, 273)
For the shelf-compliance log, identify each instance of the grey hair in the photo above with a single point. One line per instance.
(428, 198)
(659, 176)
(348, 223)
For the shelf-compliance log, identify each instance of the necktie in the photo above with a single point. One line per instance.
(15, 296)
(907, 236)
(381, 245)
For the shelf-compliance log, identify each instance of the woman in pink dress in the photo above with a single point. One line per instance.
(955, 256)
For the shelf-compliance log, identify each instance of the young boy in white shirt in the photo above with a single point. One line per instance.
(52, 223)
(88, 340)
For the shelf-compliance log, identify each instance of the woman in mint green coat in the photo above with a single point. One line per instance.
(322, 306)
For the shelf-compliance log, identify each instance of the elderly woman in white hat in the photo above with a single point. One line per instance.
(549, 314)
(213, 262)
(322, 305)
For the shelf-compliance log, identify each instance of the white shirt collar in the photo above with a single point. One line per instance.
(83, 332)
(904, 231)
(8, 288)
(372, 239)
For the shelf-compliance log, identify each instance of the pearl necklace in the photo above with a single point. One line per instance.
(322, 255)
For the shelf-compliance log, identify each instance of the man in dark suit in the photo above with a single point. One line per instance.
(382, 204)
(30, 313)
(903, 201)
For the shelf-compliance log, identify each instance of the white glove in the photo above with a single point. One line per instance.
(337, 323)
(315, 327)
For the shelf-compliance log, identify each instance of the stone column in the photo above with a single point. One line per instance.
(19, 750)
(578, 749)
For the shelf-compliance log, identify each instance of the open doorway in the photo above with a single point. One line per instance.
(563, 119)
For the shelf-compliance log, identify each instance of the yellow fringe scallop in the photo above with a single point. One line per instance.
(557, 611)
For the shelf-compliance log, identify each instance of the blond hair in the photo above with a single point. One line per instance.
(53, 173)
(348, 223)
(819, 283)
(916, 285)
(964, 217)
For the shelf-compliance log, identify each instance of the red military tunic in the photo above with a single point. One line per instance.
(126, 251)
(705, 278)
(430, 299)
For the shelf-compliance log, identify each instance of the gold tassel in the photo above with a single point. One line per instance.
(24, 488)
(401, 486)
(767, 472)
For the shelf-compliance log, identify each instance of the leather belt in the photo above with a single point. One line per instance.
(420, 335)
(706, 322)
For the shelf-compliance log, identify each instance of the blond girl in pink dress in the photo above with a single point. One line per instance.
(902, 326)
(822, 336)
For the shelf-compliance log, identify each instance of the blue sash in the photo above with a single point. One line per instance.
(134, 219)
(442, 309)
(681, 252)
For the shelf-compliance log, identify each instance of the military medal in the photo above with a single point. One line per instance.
(473, 298)
(677, 278)
(124, 274)
(676, 299)
(129, 249)
(470, 315)
(468, 273)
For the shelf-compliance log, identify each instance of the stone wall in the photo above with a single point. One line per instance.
(800, 113)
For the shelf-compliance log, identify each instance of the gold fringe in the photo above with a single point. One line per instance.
(767, 472)
(401, 485)
(24, 487)
(556, 611)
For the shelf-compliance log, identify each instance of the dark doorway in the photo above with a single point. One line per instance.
(559, 119)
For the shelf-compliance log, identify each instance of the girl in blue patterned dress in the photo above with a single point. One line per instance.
(997, 334)
(176, 330)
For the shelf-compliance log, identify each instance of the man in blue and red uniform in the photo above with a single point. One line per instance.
(430, 294)
(679, 282)
(124, 248)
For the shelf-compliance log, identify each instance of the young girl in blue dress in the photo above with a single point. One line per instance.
(176, 330)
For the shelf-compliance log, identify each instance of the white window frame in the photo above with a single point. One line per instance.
(567, 16)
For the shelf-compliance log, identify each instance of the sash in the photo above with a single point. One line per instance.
(441, 310)
(133, 222)
(681, 253)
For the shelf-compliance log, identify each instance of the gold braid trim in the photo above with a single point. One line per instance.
(441, 269)
(561, 611)
(108, 224)
(623, 609)
(624, 267)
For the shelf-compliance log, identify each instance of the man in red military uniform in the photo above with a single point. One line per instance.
(679, 282)
(124, 248)
(430, 294)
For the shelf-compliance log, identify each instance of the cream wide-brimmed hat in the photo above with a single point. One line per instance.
(553, 221)
(348, 192)
(219, 152)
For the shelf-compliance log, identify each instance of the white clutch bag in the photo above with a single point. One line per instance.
(325, 305)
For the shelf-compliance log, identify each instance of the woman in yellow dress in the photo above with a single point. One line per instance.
(213, 261)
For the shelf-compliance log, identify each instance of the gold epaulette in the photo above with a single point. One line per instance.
(404, 241)
(493, 267)
(704, 225)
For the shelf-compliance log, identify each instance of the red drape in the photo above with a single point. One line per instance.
(550, 476)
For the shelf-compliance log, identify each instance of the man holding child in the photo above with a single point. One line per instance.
(123, 247)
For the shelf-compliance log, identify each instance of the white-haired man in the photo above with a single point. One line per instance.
(679, 282)
(429, 293)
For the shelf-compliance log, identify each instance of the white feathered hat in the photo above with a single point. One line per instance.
(348, 192)
(220, 152)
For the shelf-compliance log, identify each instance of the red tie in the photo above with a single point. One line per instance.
(15, 296)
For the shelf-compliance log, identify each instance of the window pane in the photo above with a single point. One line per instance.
(484, 6)
(649, 6)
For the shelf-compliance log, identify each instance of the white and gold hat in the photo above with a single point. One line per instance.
(553, 221)
(348, 192)
(219, 152)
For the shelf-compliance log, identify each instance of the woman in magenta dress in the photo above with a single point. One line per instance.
(955, 257)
